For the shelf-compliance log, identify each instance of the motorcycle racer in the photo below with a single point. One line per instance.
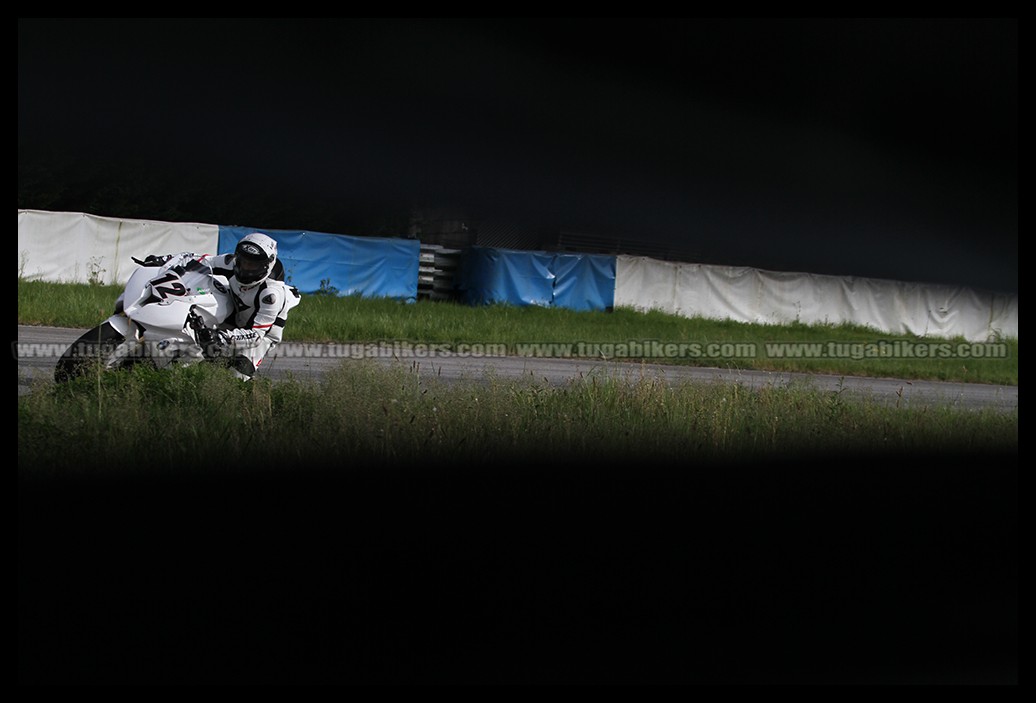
(261, 301)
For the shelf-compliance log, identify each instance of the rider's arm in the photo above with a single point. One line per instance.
(268, 321)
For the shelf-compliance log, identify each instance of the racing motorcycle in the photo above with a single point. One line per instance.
(163, 317)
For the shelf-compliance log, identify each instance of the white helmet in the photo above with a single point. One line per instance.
(254, 258)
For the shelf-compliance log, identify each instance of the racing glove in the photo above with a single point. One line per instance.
(214, 342)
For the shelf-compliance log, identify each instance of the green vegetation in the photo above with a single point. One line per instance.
(329, 318)
(363, 414)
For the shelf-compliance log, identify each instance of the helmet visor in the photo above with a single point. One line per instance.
(249, 269)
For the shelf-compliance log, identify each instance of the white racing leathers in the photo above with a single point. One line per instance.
(258, 325)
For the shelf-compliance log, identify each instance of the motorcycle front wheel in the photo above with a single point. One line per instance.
(88, 353)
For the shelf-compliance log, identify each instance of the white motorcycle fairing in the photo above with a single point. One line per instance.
(155, 319)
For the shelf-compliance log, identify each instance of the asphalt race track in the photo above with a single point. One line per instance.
(556, 371)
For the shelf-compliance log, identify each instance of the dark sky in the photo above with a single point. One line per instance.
(883, 148)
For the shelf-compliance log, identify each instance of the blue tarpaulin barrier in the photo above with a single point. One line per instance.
(373, 267)
(584, 281)
(489, 275)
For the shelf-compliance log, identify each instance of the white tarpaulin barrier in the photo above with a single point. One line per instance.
(73, 247)
(770, 297)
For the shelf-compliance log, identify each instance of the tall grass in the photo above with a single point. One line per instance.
(362, 415)
(324, 318)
